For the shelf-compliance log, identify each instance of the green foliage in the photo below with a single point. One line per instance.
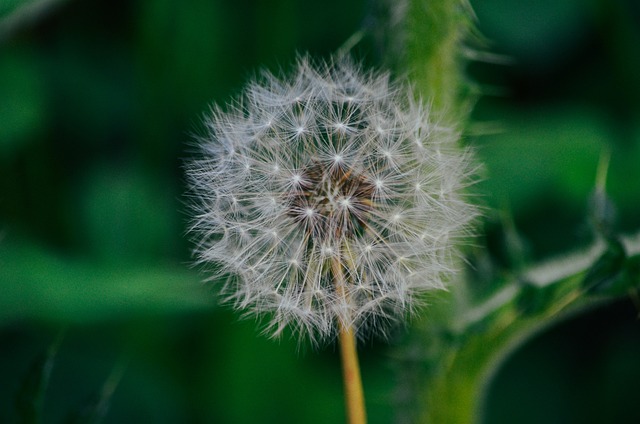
(606, 270)
(40, 285)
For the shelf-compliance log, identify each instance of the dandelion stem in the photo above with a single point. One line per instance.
(353, 392)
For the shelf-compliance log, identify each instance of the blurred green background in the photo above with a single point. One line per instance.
(97, 103)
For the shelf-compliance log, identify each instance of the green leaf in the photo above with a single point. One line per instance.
(628, 279)
(533, 299)
(602, 276)
(39, 284)
(632, 271)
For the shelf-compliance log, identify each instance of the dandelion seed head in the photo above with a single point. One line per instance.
(332, 176)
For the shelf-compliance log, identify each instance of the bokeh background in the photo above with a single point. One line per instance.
(97, 103)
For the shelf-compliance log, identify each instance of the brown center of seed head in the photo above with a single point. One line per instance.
(331, 203)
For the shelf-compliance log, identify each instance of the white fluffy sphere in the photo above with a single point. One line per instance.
(331, 196)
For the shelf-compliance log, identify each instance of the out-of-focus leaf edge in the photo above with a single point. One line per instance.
(38, 284)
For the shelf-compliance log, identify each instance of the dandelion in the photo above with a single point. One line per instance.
(329, 201)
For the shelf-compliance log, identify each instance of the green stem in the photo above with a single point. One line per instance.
(479, 338)
(462, 375)
(435, 31)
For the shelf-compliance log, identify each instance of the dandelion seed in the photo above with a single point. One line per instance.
(332, 175)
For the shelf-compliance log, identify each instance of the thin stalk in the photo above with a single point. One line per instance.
(354, 395)
(353, 392)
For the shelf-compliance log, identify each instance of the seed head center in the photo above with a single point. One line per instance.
(331, 203)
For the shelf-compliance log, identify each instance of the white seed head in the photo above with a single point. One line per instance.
(331, 196)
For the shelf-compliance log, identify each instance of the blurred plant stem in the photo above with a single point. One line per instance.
(434, 32)
(433, 36)
(455, 350)
(97, 407)
(30, 398)
(15, 14)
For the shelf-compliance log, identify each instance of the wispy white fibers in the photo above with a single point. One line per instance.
(331, 165)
